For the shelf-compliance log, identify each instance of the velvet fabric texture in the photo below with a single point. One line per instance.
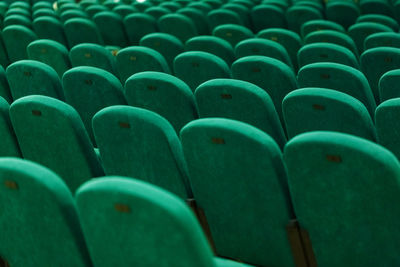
(177, 25)
(47, 27)
(16, 38)
(82, 30)
(332, 37)
(138, 25)
(111, 28)
(319, 25)
(232, 33)
(391, 39)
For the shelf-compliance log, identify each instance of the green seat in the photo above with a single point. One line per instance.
(50, 132)
(272, 75)
(73, 13)
(278, 3)
(142, 6)
(51, 53)
(86, 3)
(343, 189)
(198, 18)
(196, 67)
(17, 20)
(44, 12)
(290, 40)
(138, 25)
(360, 31)
(80, 30)
(319, 25)
(124, 10)
(390, 39)
(18, 11)
(50, 28)
(344, 13)
(389, 85)
(157, 12)
(166, 44)
(297, 15)
(213, 45)
(16, 38)
(220, 176)
(177, 25)
(4, 61)
(382, 7)
(68, 6)
(319, 109)
(9, 145)
(339, 77)
(164, 94)
(382, 19)
(233, 33)
(265, 16)
(40, 216)
(136, 59)
(111, 28)
(94, 9)
(377, 61)
(90, 89)
(221, 16)
(141, 144)
(110, 4)
(125, 202)
(242, 101)
(31, 77)
(326, 52)
(93, 55)
(214, 3)
(202, 6)
(4, 87)
(262, 47)
(42, 4)
(387, 125)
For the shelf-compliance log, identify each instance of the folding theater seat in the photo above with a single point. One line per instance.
(297, 15)
(382, 7)
(93, 55)
(194, 68)
(223, 156)
(80, 30)
(198, 18)
(288, 39)
(319, 25)
(272, 75)
(177, 25)
(110, 4)
(171, 5)
(30, 77)
(339, 77)
(141, 144)
(326, 52)
(232, 33)
(18, 11)
(16, 38)
(164, 94)
(389, 85)
(343, 189)
(319, 109)
(241, 10)
(202, 6)
(42, 4)
(138, 25)
(377, 61)
(382, 19)
(51, 53)
(221, 16)
(50, 28)
(213, 45)
(44, 12)
(387, 126)
(262, 47)
(73, 13)
(157, 12)
(136, 59)
(89, 90)
(266, 16)
(142, 6)
(242, 101)
(360, 31)
(390, 39)
(9, 145)
(111, 28)
(50, 132)
(94, 9)
(40, 216)
(68, 6)
(166, 44)
(17, 20)
(214, 3)
(165, 234)
(4, 87)
(86, 3)
(124, 10)
(344, 13)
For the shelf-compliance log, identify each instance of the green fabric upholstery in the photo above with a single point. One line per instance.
(94, 9)
(4, 61)
(211, 44)
(86, 3)
(68, 6)
(382, 19)
(265, 16)
(382, 7)
(222, 16)
(194, 68)
(51, 53)
(4, 87)
(136, 59)
(50, 28)
(44, 12)
(173, 6)
(241, 228)
(288, 39)
(297, 15)
(142, 6)
(343, 189)
(318, 25)
(51, 133)
(30, 77)
(80, 30)
(389, 85)
(73, 13)
(338, 77)
(20, 5)
(166, 44)
(139, 143)
(89, 90)
(326, 52)
(360, 31)
(111, 28)
(344, 13)
(9, 145)
(203, 6)
(262, 47)
(198, 18)
(39, 218)
(41, 4)
(390, 39)
(124, 10)
(164, 94)
(239, 9)
(157, 12)
(17, 20)
(318, 109)
(228, 263)
(242, 101)
(16, 38)
(377, 61)
(272, 75)
(17, 11)
(333, 37)
(214, 3)
(165, 232)
(93, 55)
(232, 33)
(387, 125)
(177, 25)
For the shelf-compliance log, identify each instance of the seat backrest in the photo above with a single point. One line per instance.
(389, 85)
(177, 25)
(221, 16)
(232, 33)
(344, 13)
(382, 19)
(9, 145)
(138, 25)
(360, 31)
(297, 15)
(319, 25)
(111, 28)
(16, 38)
(81, 30)
(266, 16)
(390, 39)
(47, 27)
